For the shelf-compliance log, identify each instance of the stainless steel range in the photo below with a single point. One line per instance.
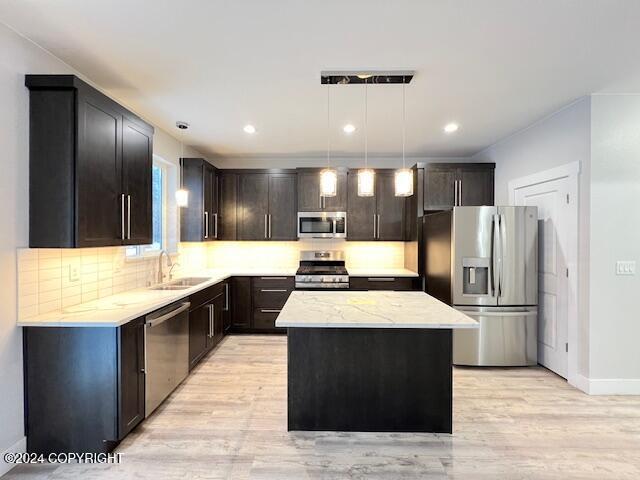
(321, 269)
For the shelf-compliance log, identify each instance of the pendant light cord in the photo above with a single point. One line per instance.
(328, 126)
(366, 145)
(404, 108)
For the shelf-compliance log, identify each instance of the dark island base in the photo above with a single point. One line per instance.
(370, 379)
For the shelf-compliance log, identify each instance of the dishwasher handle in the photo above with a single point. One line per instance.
(155, 321)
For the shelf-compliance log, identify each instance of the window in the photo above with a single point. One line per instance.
(160, 177)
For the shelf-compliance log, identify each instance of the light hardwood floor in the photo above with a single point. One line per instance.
(228, 420)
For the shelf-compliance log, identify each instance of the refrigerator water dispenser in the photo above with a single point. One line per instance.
(475, 276)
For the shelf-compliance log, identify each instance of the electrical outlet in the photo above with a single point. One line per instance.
(74, 273)
(627, 267)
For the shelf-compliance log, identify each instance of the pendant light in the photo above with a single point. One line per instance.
(366, 176)
(404, 176)
(182, 194)
(328, 176)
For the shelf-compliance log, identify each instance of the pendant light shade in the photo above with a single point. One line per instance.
(366, 182)
(366, 175)
(182, 197)
(328, 176)
(404, 182)
(404, 175)
(328, 182)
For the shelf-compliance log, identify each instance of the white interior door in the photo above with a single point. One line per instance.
(554, 210)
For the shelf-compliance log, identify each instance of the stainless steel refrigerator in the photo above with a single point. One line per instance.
(483, 261)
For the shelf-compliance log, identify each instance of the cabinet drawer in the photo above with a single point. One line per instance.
(275, 282)
(265, 318)
(381, 283)
(209, 293)
(270, 297)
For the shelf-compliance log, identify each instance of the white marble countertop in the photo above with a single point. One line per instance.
(121, 308)
(381, 272)
(372, 309)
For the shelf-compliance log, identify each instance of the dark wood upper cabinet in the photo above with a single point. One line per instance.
(361, 212)
(253, 193)
(227, 208)
(447, 185)
(309, 198)
(476, 186)
(389, 207)
(137, 152)
(199, 221)
(267, 206)
(282, 207)
(89, 167)
(380, 217)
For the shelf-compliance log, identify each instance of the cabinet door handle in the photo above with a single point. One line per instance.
(215, 225)
(273, 290)
(269, 225)
(266, 227)
(374, 225)
(211, 314)
(226, 297)
(206, 224)
(455, 193)
(459, 192)
(273, 278)
(381, 279)
(129, 217)
(268, 310)
(122, 236)
(378, 222)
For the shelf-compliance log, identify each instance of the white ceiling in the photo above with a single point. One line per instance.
(494, 66)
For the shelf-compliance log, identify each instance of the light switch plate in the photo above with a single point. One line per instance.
(626, 267)
(74, 273)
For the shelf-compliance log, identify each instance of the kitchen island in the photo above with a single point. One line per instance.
(370, 361)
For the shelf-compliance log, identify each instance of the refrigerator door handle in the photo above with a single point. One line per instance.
(492, 277)
(503, 248)
(496, 257)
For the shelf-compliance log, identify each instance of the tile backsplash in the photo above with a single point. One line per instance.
(53, 279)
(50, 280)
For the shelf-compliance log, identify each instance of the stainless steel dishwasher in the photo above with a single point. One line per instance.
(166, 345)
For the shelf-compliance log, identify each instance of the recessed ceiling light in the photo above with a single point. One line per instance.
(451, 127)
(249, 129)
(349, 128)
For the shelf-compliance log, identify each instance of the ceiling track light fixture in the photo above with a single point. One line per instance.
(366, 176)
(182, 194)
(328, 176)
(404, 176)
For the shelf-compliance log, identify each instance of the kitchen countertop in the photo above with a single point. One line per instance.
(372, 309)
(381, 272)
(121, 308)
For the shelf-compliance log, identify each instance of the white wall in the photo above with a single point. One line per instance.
(615, 235)
(19, 56)
(556, 140)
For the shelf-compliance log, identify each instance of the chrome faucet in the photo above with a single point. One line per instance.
(169, 264)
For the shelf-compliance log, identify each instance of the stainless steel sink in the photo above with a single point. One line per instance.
(181, 283)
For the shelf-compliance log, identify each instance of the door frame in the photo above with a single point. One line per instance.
(570, 171)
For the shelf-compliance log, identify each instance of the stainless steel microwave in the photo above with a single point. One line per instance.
(322, 225)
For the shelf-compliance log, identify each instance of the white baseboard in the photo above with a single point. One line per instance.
(614, 386)
(607, 386)
(19, 447)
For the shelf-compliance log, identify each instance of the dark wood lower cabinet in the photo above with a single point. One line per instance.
(256, 302)
(206, 320)
(384, 283)
(84, 386)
